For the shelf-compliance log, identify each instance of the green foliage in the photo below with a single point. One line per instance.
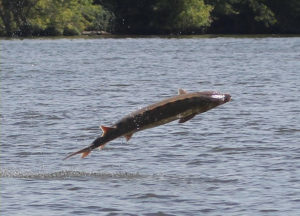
(159, 16)
(262, 13)
(132, 16)
(287, 14)
(184, 16)
(50, 17)
(193, 15)
(71, 17)
(98, 18)
(241, 16)
(68, 17)
(13, 14)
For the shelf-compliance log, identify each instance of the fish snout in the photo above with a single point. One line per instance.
(227, 98)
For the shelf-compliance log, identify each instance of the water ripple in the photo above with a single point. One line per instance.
(239, 159)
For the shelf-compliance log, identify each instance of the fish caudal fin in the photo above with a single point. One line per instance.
(99, 142)
(85, 152)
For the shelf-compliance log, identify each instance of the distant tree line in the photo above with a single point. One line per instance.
(52, 17)
(72, 17)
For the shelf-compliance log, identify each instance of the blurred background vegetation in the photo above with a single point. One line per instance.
(73, 17)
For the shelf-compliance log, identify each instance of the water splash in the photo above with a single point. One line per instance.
(66, 174)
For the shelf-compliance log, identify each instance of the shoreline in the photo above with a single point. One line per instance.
(103, 35)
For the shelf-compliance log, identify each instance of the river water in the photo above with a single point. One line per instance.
(242, 158)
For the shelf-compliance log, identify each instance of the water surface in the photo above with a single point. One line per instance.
(242, 158)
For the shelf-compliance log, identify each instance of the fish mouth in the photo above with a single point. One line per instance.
(227, 98)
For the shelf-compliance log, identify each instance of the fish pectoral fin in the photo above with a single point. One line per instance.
(84, 154)
(181, 91)
(106, 129)
(184, 119)
(102, 146)
(128, 136)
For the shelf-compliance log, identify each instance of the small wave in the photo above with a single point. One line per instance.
(29, 153)
(119, 85)
(154, 195)
(284, 130)
(268, 210)
(193, 178)
(232, 150)
(244, 149)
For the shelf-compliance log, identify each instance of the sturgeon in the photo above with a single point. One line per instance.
(184, 107)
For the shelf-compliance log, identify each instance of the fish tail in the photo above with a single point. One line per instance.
(99, 142)
(84, 153)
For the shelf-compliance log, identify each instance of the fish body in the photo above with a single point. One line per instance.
(184, 107)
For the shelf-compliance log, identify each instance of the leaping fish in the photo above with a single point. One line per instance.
(184, 107)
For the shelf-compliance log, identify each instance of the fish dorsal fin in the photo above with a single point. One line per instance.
(128, 136)
(106, 129)
(184, 119)
(181, 91)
